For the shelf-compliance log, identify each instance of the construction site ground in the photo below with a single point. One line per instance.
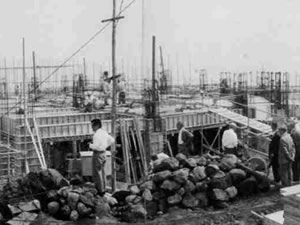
(239, 212)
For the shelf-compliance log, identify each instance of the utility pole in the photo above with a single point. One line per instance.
(34, 76)
(153, 69)
(114, 107)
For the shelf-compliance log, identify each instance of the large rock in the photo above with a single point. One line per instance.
(23, 218)
(74, 216)
(189, 186)
(191, 163)
(237, 176)
(167, 164)
(13, 210)
(181, 191)
(83, 210)
(201, 186)
(151, 208)
(199, 173)
(201, 161)
(90, 187)
(147, 195)
(228, 162)
(263, 183)
(139, 211)
(231, 192)
(170, 185)
(158, 195)
(134, 189)
(87, 199)
(73, 199)
(121, 195)
(181, 158)
(219, 195)
(65, 211)
(190, 201)
(31, 206)
(211, 170)
(174, 199)
(202, 199)
(148, 185)
(248, 186)
(181, 175)
(161, 176)
(220, 181)
(53, 208)
(64, 191)
(130, 198)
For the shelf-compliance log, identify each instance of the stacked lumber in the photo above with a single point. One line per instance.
(189, 183)
(291, 205)
(133, 151)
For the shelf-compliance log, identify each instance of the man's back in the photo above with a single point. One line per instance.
(229, 139)
(286, 149)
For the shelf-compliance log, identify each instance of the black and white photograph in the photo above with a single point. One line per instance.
(149, 112)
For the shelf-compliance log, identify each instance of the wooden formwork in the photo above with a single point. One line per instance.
(192, 120)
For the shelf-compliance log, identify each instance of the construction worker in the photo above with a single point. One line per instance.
(286, 156)
(101, 141)
(106, 87)
(273, 152)
(121, 90)
(230, 140)
(185, 140)
(295, 134)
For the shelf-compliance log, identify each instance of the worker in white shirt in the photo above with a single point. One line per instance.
(230, 140)
(101, 141)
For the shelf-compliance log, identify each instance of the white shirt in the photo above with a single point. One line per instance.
(101, 141)
(229, 139)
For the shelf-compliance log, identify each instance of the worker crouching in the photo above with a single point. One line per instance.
(101, 141)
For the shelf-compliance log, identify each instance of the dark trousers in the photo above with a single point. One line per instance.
(286, 174)
(184, 149)
(122, 98)
(231, 151)
(275, 169)
(296, 166)
(98, 162)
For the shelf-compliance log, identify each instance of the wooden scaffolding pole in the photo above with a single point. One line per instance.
(114, 108)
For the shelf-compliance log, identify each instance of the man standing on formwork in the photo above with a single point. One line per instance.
(286, 156)
(101, 141)
(185, 140)
(230, 140)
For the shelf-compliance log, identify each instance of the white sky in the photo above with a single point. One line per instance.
(214, 34)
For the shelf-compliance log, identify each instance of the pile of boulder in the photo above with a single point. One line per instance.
(50, 192)
(192, 183)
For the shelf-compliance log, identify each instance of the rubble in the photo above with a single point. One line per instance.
(53, 194)
(196, 183)
(179, 182)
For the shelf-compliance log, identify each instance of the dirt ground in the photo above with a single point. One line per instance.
(238, 213)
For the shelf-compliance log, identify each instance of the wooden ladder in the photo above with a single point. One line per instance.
(36, 140)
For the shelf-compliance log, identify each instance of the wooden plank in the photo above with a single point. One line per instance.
(39, 141)
(35, 145)
(124, 151)
(290, 190)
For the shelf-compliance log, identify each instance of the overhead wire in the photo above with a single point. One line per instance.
(76, 52)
